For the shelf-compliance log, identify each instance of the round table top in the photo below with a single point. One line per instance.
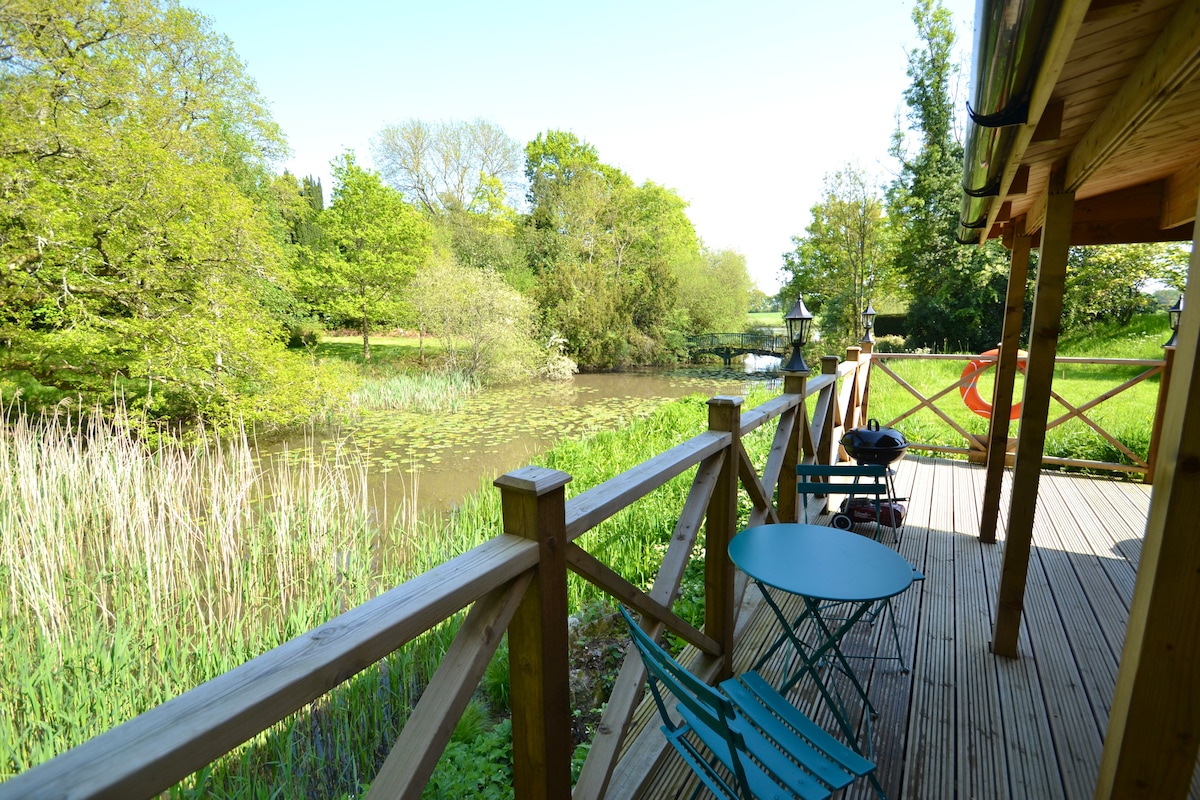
(820, 562)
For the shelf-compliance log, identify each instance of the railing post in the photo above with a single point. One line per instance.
(533, 503)
(864, 412)
(725, 415)
(1160, 408)
(827, 447)
(785, 487)
(850, 416)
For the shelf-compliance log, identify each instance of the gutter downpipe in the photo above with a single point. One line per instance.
(1010, 42)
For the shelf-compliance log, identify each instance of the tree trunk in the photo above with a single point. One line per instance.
(366, 341)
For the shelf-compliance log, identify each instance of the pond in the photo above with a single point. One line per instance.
(431, 462)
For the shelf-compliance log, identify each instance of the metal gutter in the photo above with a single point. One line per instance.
(1010, 41)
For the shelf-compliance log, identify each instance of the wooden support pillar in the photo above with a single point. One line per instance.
(1006, 376)
(724, 414)
(785, 487)
(533, 501)
(1160, 410)
(1153, 734)
(1031, 437)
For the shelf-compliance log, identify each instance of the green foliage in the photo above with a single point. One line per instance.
(140, 221)
(1108, 283)
(376, 242)
(957, 293)
(713, 291)
(844, 260)
(496, 686)
(488, 328)
(480, 768)
(606, 253)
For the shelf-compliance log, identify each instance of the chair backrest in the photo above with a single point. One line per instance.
(817, 479)
(700, 703)
(763, 742)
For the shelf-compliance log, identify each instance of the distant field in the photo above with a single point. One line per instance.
(398, 352)
(764, 319)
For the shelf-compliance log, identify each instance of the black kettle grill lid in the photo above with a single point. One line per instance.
(874, 436)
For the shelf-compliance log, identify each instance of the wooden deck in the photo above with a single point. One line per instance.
(965, 723)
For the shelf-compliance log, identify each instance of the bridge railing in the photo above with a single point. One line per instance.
(515, 582)
(774, 343)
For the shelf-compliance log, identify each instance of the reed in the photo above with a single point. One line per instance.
(421, 393)
(133, 575)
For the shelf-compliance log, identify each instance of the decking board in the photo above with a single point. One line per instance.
(966, 723)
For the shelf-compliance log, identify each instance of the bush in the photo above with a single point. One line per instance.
(889, 344)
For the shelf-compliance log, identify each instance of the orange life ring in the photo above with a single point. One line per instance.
(970, 394)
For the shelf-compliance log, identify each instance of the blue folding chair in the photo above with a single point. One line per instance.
(743, 739)
(866, 481)
(871, 481)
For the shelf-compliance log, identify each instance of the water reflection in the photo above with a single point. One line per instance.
(435, 461)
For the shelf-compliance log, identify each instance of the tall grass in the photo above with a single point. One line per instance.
(133, 575)
(421, 392)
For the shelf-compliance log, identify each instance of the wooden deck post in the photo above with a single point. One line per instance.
(724, 414)
(850, 415)
(1031, 436)
(1154, 726)
(1160, 410)
(1006, 375)
(533, 502)
(785, 487)
(827, 448)
(865, 386)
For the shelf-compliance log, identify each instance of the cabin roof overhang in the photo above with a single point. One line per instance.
(1101, 99)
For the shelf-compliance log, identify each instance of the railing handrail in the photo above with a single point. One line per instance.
(190, 731)
(1118, 362)
(977, 446)
(162, 746)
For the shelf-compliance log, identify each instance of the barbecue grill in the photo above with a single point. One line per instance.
(875, 445)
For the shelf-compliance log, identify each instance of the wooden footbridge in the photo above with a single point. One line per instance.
(728, 345)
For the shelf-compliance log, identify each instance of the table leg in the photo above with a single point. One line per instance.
(811, 657)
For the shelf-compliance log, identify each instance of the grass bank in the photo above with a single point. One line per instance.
(133, 576)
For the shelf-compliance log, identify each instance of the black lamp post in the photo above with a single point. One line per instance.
(868, 322)
(1173, 313)
(799, 323)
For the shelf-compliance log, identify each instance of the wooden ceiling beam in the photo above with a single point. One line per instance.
(1180, 196)
(1169, 65)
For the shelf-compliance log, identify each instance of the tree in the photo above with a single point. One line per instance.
(1112, 283)
(137, 229)
(714, 292)
(450, 164)
(844, 259)
(488, 329)
(376, 242)
(957, 293)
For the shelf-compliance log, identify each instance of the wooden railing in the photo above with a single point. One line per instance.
(975, 446)
(516, 581)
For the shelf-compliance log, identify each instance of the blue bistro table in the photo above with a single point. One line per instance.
(824, 566)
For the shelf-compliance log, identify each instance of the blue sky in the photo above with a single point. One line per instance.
(741, 108)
